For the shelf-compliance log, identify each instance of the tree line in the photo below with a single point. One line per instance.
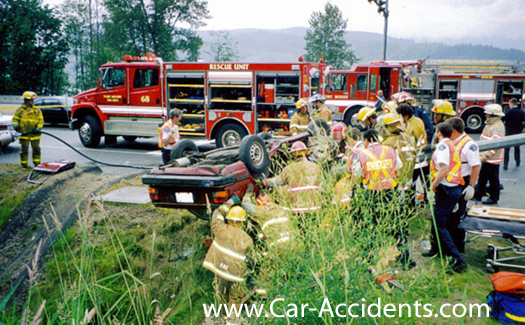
(36, 41)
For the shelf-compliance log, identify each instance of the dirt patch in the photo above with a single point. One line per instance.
(56, 201)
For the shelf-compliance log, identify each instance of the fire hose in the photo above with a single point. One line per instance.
(85, 156)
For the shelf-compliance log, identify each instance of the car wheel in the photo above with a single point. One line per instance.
(183, 148)
(90, 132)
(230, 135)
(319, 127)
(129, 138)
(253, 153)
(474, 120)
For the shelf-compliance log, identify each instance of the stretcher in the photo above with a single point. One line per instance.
(506, 225)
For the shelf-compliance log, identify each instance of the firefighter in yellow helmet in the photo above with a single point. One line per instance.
(300, 181)
(403, 144)
(442, 110)
(367, 117)
(300, 120)
(228, 253)
(28, 120)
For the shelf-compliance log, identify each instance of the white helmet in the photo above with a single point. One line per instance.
(494, 109)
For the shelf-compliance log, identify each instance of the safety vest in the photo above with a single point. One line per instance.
(454, 166)
(227, 254)
(379, 167)
(166, 128)
(461, 144)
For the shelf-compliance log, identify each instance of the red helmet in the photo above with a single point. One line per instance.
(264, 199)
(402, 97)
(338, 131)
(298, 148)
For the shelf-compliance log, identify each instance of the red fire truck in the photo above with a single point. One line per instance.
(468, 85)
(221, 101)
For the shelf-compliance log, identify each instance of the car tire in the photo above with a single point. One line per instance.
(319, 127)
(90, 132)
(253, 153)
(229, 135)
(129, 138)
(183, 148)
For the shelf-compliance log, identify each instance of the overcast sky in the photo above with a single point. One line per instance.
(421, 20)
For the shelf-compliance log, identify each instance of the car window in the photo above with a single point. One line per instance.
(53, 102)
(39, 102)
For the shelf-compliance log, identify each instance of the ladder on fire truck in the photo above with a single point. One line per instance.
(472, 66)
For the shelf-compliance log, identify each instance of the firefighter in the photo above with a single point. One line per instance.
(491, 159)
(338, 132)
(376, 167)
(320, 109)
(414, 126)
(470, 166)
(300, 179)
(367, 117)
(402, 144)
(169, 134)
(445, 169)
(229, 252)
(442, 110)
(419, 112)
(28, 120)
(300, 120)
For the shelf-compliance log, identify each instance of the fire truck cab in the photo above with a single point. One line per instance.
(221, 101)
(350, 90)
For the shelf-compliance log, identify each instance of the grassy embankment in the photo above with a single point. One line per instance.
(113, 268)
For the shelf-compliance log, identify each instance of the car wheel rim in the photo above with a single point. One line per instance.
(256, 154)
(85, 132)
(231, 138)
(473, 122)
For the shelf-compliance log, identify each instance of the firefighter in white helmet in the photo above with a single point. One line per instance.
(28, 120)
(320, 109)
(229, 252)
(491, 159)
(300, 120)
(300, 180)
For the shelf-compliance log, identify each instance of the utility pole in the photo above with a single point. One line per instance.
(382, 7)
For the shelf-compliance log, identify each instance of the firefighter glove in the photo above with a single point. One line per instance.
(468, 192)
(17, 128)
(235, 199)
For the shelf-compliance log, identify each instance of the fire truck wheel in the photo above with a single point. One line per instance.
(130, 138)
(90, 132)
(474, 120)
(351, 118)
(183, 148)
(253, 153)
(229, 135)
(318, 127)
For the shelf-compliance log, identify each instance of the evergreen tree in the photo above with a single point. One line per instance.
(32, 49)
(326, 39)
(221, 49)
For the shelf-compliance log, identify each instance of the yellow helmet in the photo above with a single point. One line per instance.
(389, 107)
(236, 214)
(391, 118)
(494, 109)
(29, 95)
(443, 107)
(365, 112)
(300, 103)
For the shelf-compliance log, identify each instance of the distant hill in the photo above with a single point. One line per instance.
(286, 45)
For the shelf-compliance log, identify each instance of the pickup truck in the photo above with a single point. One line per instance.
(200, 182)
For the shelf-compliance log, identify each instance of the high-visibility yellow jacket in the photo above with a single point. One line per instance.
(227, 254)
(28, 118)
(416, 128)
(301, 180)
(405, 149)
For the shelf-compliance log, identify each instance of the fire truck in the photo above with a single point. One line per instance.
(221, 101)
(467, 84)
